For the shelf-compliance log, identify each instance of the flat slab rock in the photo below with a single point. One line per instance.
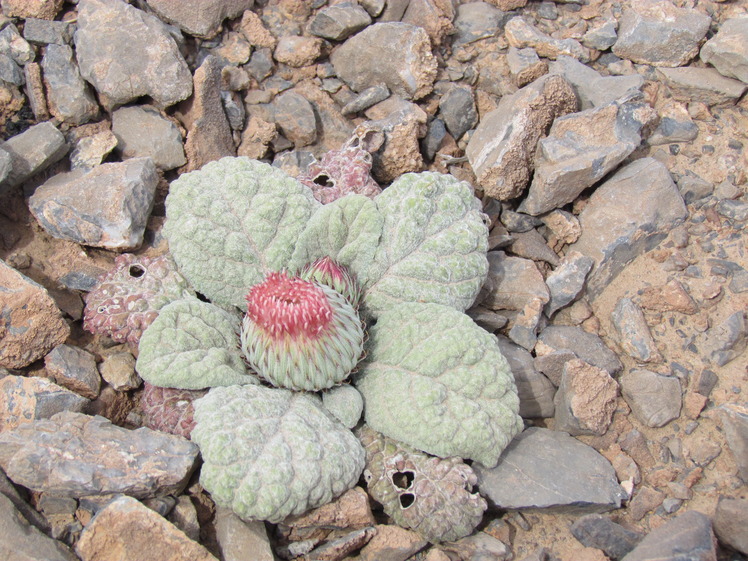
(687, 537)
(76, 455)
(542, 468)
(127, 529)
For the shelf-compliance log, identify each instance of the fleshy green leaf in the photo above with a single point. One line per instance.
(433, 245)
(270, 453)
(346, 230)
(438, 382)
(233, 221)
(192, 345)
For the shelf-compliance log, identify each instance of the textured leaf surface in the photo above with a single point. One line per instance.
(433, 245)
(438, 382)
(233, 221)
(432, 496)
(270, 453)
(192, 345)
(347, 230)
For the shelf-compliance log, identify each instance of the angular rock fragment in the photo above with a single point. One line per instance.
(734, 418)
(502, 148)
(521, 34)
(141, 132)
(627, 215)
(32, 323)
(74, 369)
(297, 51)
(203, 22)
(592, 88)
(478, 20)
(515, 280)
(689, 84)
(687, 537)
(118, 370)
(542, 468)
(633, 332)
(535, 390)
(32, 151)
(581, 149)
(75, 455)
(670, 297)
(106, 207)
(567, 281)
(45, 32)
(295, 117)
(595, 530)
(24, 399)
(730, 522)
(726, 341)
(339, 21)
(727, 51)
(655, 400)
(457, 109)
(659, 33)
(122, 69)
(238, 538)
(90, 151)
(525, 65)
(434, 16)
(392, 543)
(395, 54)
(585, 400)
(587, 346)
(127, 529)
(68, 96)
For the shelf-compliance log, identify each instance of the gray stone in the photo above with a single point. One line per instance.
(340, 21)
(10, 72)
(502, 149)
(532, 245)
(373, 7)
(585, 400)
(548, 10)
(659, 33)
(535, 390)
(127, 529)
(520, 34)
(674, 129)
(457, 110)
(734, 418)
(260, 66)
(655, 400)
(240, 540)
(587, 346)
(689, 84)
(687, 537)
(106, 207)
(516, 222)
(525, 65)
(367, 98)
(552, 364)
(29, 513)
(141, 131)
(45, 32)
(626, 216)
(601, 37)
(633, 332)
(6, 164)
(75, 455)
(592, 88)
(600, 532)
(68, 96)
(567, 281)
(32, 151)
(515, 280)
(295, 117)
(24, 399)
(730, 521)
(581, 149)
(478, 20)
(184, 517)
(395, 54)
(487, 319)
(74, 369)
(90, 151)
(524, 332)
(733, 209)
(727, 51)
(15, 46)
(480, 545)
(122, 69)
(205, 22)
(726, 341)
(694, 188)
(298, 50)
(24, 542)
(547, 469)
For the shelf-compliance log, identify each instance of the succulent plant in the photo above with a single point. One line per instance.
(326, 271)
(345, 403)
(299, 334)
(128, 297)
(270, 453)
(432, 496)
(168, 409)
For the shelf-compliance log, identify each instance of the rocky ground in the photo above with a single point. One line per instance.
(607, 142)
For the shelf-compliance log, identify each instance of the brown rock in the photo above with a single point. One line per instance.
(351, 510)
(25, 399)
(670, 297)
(646, 500)
(693, 404)
(256, 138)
(255, 31)
(401, 152)
(298, 51)
(241, 540)
(127, 530)
(521, 34)
(41, 9)
(392, 543)
(435, 16)
(502, 149)
(35, 91)
(32, 324)
(203, 22)
(339, 548)
(586, 399)
(635, 445)
(208, 131)
(507, 5)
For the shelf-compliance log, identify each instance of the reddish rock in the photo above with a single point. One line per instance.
(670, 297)
(350, 511)
(646, 500)
(41, 9)
(25, 399)
(297, 51)
(32, 323)
(392, 543)
(586, 399)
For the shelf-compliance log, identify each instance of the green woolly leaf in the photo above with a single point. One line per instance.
(433, 246)
(232, 222)
(346, 230)
(192, 345)
(438, 382)
(270, 453)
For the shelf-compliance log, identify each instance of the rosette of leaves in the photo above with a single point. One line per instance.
(193, 345)
(269, 453)
(435, 380)
(169, 409)
(128, 297)
(432, 496)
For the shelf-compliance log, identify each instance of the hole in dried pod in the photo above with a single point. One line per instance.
(403, 479)
(324, 180)
(407, 499)
(136, 271)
